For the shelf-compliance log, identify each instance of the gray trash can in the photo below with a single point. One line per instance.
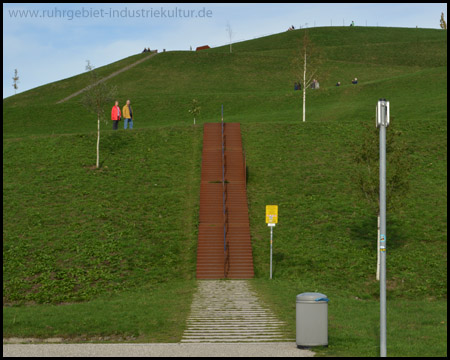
(311, 320)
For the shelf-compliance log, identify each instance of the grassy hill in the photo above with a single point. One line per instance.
(128, 231)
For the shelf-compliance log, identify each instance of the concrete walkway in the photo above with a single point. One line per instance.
(229, 311)
(284, 349)
(107, 78)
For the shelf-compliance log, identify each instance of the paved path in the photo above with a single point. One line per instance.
(228, 311)
(107, 77)
(226, 320)
(284, 349)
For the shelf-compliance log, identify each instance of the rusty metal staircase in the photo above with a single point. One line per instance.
(224, 248)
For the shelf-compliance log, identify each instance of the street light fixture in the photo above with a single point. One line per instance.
(382, 122)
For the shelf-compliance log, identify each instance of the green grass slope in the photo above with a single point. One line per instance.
(74, 234)
(71, 232)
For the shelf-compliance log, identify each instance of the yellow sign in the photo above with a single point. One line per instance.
(271, 214)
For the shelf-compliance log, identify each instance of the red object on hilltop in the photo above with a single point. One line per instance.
(202, 47)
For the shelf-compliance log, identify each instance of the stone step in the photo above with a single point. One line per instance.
(235, 331)
(234, 327)
(235, 317)
(235, 339)
(227, 336)
(228, 311)
(212, 322)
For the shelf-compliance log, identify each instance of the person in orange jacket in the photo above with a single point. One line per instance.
(115, 115)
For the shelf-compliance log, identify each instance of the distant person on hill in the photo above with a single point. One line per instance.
(127, 112)
(145, 50)
(115, 115)
(338, 83)
(295, 86)
(355, 81)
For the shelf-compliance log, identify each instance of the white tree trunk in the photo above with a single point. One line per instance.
(98, 141)
(304, 104)
(230, 35)
(378, 249)
(194, 120)
(304, 90)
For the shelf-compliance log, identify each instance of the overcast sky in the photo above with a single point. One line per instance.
(50, 42)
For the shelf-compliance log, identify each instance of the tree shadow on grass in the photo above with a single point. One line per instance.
(115, 142)
(103, 161)
(364, 232)
(111, 144)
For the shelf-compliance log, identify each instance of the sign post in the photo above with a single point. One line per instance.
(271, 220)
(382, 122)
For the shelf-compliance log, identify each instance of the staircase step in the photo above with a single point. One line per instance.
(223, 203)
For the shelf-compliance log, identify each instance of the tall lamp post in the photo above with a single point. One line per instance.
(382, 122)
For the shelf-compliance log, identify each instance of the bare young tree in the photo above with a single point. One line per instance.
(195, 109)
(16, 81)
(443, 23)
(230, 34)
(306, 65)
(95, 98)
(365, 170)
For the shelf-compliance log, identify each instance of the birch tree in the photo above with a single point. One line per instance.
(230, 34)
(15, 81)
(195, 109)
(443, 24)
(95, 98)
(306, 64)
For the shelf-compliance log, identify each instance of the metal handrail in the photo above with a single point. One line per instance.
(225, 217)
(245, 167)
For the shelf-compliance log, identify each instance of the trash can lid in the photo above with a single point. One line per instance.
(311, 296)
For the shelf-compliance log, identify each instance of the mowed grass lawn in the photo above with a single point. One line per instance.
(325, 240)
(415, 327)
(154, 312)
(76, 233)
